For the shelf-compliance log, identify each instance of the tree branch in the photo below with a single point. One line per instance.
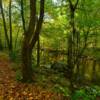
(32, 22)
(39, 24)
(75, 6)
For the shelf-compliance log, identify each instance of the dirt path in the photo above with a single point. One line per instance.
(10, 89)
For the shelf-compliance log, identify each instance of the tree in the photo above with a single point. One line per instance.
(30, 38)
(4, 24)
(38, 52)
(71, 42)
(1, 46)
(22, 15)
(10, 24)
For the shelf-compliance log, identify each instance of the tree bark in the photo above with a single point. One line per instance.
(10, 24)
(26, 62)
(71, 43)
(22, 15)
(1, 46)
(38, 52)
(4, 25)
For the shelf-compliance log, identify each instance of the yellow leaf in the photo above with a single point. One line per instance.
(30, 98)
(30, 94)
(11, 98)
(1, 97)
(24, 93)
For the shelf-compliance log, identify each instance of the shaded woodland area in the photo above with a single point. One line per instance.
(49, 49)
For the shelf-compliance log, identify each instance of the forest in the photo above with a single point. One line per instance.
(49, 49)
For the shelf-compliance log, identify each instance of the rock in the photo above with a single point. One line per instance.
(59, 67)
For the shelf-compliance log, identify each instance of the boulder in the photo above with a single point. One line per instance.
(59, 67)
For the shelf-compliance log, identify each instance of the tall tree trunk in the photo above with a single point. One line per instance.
(22, 15)
(94, 71)
(30, 38)
(10, 24)
(1, 46)
(38, 52)
(4, 24)
(16, 38)
(71, 43)
(26, 62)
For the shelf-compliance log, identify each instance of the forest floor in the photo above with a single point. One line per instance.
(10, 89)
(47, 85)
